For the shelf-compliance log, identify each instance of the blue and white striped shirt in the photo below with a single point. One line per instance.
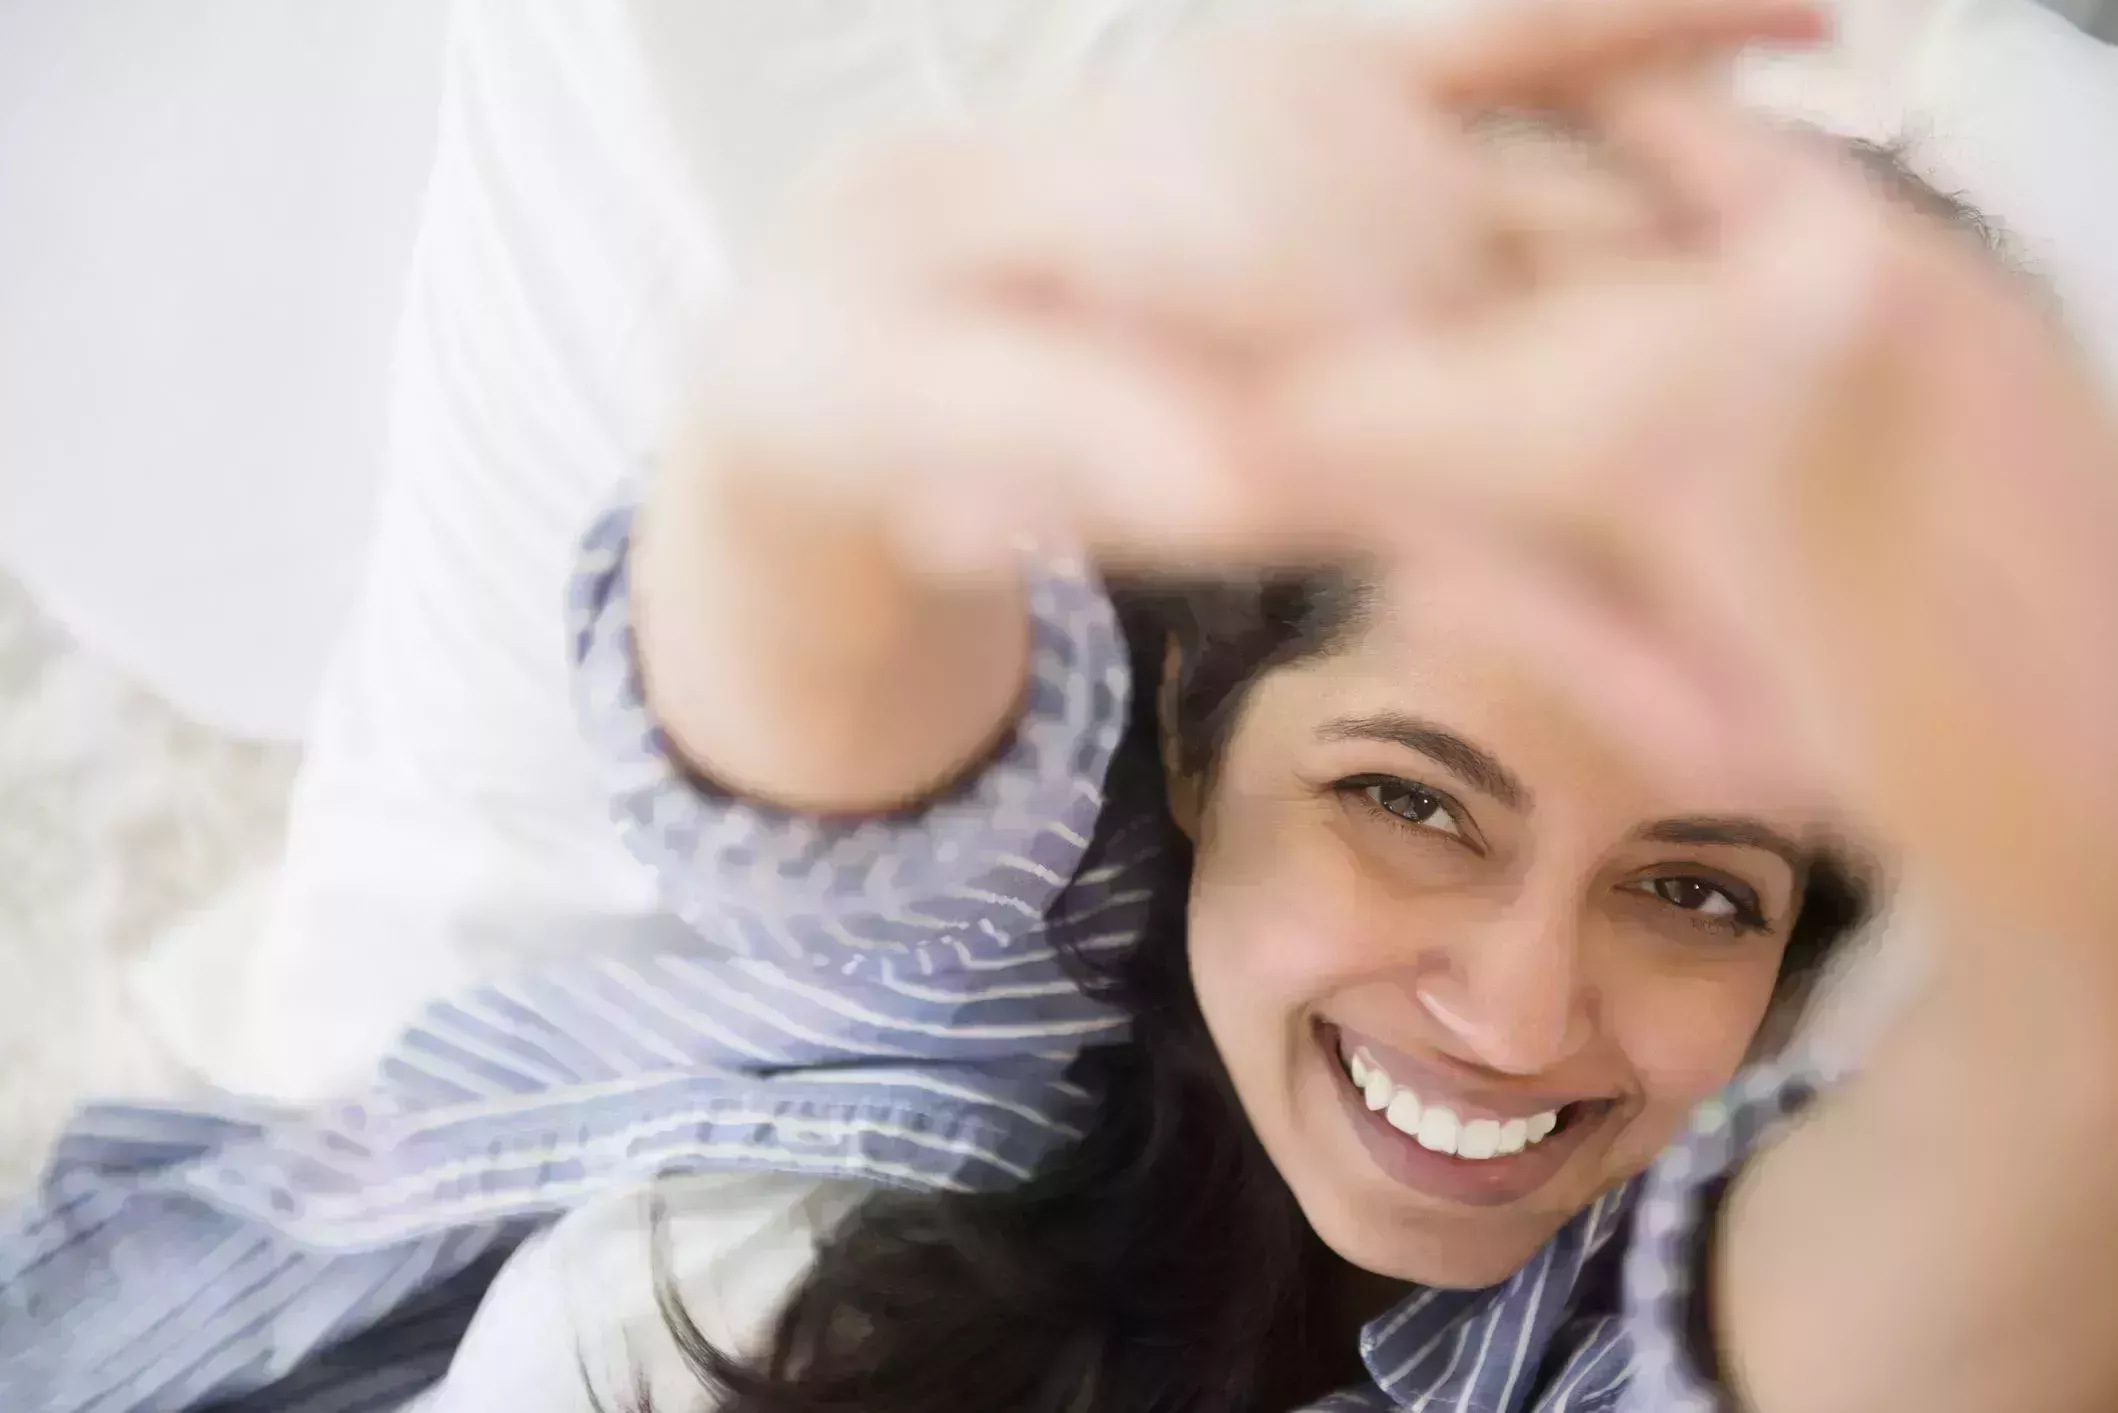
(879, 999)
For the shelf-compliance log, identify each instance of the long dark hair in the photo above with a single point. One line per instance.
(1159, 1264)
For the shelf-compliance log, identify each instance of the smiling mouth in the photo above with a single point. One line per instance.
(1446, 1130)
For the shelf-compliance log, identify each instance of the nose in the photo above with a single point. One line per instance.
(1512, 997)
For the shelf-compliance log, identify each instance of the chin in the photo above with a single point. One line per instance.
(1470, 1252)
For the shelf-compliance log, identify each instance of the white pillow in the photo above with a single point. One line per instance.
(2001, 101)
(601, 170)
(2024, 112)
(205, 214)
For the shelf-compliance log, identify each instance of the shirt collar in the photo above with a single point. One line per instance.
(1481, 1349)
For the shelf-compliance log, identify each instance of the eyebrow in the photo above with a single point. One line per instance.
(1477, 766)
(1735, 833)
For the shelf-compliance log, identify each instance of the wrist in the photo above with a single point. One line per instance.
(792, 658)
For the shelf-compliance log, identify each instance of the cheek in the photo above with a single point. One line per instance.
(1685, 1038)
(1268, 938)
(1275, 914)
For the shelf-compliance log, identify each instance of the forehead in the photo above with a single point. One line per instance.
(1427, 648)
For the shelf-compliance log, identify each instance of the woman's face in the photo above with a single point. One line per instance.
(1465, 965)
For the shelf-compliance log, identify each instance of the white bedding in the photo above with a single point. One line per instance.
(205, 215)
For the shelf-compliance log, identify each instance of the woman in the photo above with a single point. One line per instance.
(1430, 977)
(1501, 844)
(1444, 945)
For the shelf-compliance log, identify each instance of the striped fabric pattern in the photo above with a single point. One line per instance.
(1681, 1199)
(879, 1000)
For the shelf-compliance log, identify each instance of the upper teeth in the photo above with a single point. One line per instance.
(1437, 1126)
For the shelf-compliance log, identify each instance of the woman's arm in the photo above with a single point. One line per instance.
(1921, 583)
(794, 658)
(1942, 1232)
(960, 871)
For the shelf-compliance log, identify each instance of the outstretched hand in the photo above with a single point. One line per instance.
(1081, 326)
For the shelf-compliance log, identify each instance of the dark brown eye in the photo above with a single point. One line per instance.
(1694, 895)
(1708, 899)
(1415, 804)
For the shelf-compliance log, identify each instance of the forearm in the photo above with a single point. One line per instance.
(1940, 1234)
(791, 657)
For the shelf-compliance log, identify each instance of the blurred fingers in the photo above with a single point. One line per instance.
(965, 427)
(1544, 53)
(1788, 220)
(1643, 692)
(1267, 193)
(1301, 181)
(1565, 411)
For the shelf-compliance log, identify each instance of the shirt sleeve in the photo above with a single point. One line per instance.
(1676, 1366)
(966, 874)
